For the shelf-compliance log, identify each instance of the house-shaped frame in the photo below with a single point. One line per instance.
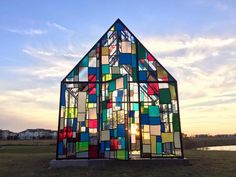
(119, 102)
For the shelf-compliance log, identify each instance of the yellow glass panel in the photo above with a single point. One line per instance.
(92, 113)
(133, 49)
(105, 51)
(108, 77)
(146, 128)
(172, 92)
(167, 137)
(153, 144)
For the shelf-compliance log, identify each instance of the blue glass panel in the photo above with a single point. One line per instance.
(131, 113)
(154, 121)
(162, 127)
(84, 136)
(63, 95)
(142, 75)
(92, 98)
(125, 59)
(121, 130)
(102, 147)
(92, 70)
(107, 145)
(158, 138)
(112, 133)
(60, 148)
(83, 124)
(144, 119)
(74, 125)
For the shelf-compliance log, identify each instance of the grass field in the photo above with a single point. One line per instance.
(27, 159)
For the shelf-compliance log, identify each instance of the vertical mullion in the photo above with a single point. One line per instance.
(59, 120)
(99, 115)
(140, 127)
(181, 138)
(128, 144)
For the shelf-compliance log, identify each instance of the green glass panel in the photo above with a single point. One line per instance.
(125, 82)
(165, 97)
(154, 111)
(133, 120)
(141, 52)
(81, 146)
(115, 132)
(84, 61)
(170, 78)
(159, 148)
(71, 112)
(145, 111)
(104, 114)
(121, 154)
(104, 105)
(105, 69)
(176, 122)
(142, 96)
(112, 86)
(71, 75)
(97, 89)
(134, 74)
(135, 107)
(114, 76)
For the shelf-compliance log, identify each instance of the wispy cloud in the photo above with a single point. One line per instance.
(53, 62)
(34, 108)
(58, 26)
(28, 31)
(205, 68)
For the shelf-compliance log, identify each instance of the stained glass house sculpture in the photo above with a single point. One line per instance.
(119, 102)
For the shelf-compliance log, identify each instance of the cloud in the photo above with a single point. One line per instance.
(59, 27)
(53, 63)
(31, 108)
(28, 31)
(205, 69)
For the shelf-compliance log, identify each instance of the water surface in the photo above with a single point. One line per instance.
(218, 148)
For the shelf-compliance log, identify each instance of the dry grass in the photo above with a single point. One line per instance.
(32, 160)
(27, 142)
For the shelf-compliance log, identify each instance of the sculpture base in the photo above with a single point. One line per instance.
(110, 162)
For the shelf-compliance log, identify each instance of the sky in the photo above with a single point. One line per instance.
(41, 41)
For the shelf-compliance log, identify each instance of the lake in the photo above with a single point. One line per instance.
(218, 148)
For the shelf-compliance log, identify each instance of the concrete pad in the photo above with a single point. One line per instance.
(111, 162)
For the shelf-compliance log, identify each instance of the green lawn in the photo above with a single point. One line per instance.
(33, 160)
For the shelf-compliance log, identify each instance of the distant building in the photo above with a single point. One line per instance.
(28, 134)
(7, 135)
(37, 134)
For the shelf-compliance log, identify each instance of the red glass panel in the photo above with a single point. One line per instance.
(150, 58)
(67, 132)
(114, 144)
(92, 77)
(109, 104)
(153, 88)
(93, 123)
(93, 151)
(61, 135)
